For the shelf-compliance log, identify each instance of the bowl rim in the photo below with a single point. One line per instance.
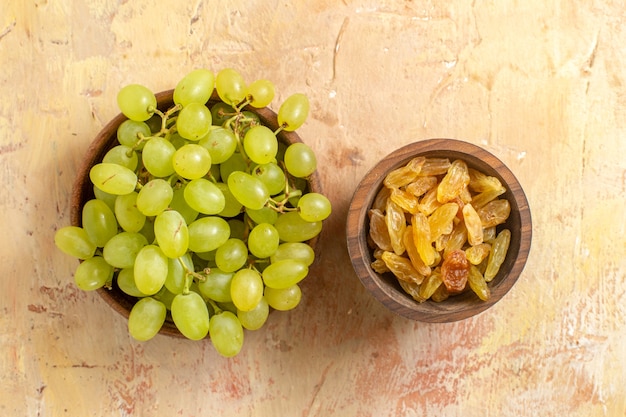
(359, 250)
(106, 138)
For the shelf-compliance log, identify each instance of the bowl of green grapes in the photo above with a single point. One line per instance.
(196, 211)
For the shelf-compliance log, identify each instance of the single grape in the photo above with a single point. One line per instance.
(226, 334)
(146, 318)
(221, 112)
(254, 319)
(177, 273)
(74, 241)
(283, 299)
(109, 199)
(300, 160)
(99, 222)
(285, 273)
(232, 207)
(112, 178)
(178, 141)
(129, 133)
(232, 255)
(263, 240)
(150, 269)
(179, 204)
(154, 197)
(260, 144)
(122, 249)
(230, 86)
(293, 112)
(195, 87)
(272, 176)
(122, 155)
(216, 286)
(261, 93)
(190, 315)
(136, 102)
(192, 161)
(221, 144)
(126, 282)
(171, 233)
(293, 228)
(157, 157)
(248, 190)
(314, 207)
(294, 250)
(194, 121)
(235, 163)
(208, 233)
(264, 215)
(93, 273)
(246, 289)
(204, 196)
(165, 296)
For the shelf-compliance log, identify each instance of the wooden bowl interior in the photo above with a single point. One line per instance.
(106, 139)
(385, 287)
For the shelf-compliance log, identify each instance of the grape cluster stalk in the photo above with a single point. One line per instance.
(200, 212)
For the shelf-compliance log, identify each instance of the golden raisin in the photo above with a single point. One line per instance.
(414, 256)
(402, 268)
(494, 213)
(378, 230)
(421, 185)
(407, 201)
(441, 221)
(421, 236)
(477, 283)
(455, 180)
(476, 254)
(473, 224)
(498, 253)
(404, 175)
(396, 224)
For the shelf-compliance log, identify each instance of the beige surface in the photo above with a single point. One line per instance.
(538, 83)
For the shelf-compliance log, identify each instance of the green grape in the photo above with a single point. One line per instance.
(237, 228)
(126, 282)
(226, 334)
(165, 296)
(179, 204)
(232, 255)
(171, 233)
(261, 93)
(195, 87)
(221, 112)
(214, 173)
(190, 315)
(246, 289)
(129, 133)
(300, 160)
(74, 241)
(260, 144)
(208, 233)
(154, 124)
(272, 176)
(178, 141)
(294, 250)
(204, 196)
(157, 157)
(109, 199)
(232, 207)
(150, 269)
(194, 121)
(122, 155)
(232, 164)
(154, 197)
(136, 102)
(254, 319)
(93, 273)
(248, 190)
(177, 273)
(148, 230)
(122, 249)
(314, 207)
(99, 222)
(263, 240)
(230, 86)
(293, 228)
(112, 178)
(146, 318)
(192, 161)
(221, 144)
(264, 215)
(285, 273)
(293, 112)
(128, 215)
(283, 299)
(216, 286)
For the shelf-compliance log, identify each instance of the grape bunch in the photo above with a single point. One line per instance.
(199, 212)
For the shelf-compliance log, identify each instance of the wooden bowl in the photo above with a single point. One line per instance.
(107, 139)
(384, 287)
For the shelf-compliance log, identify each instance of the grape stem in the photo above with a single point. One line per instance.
(216, 308)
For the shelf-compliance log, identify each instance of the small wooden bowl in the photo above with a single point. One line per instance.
(384, 287)
(106, 139)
